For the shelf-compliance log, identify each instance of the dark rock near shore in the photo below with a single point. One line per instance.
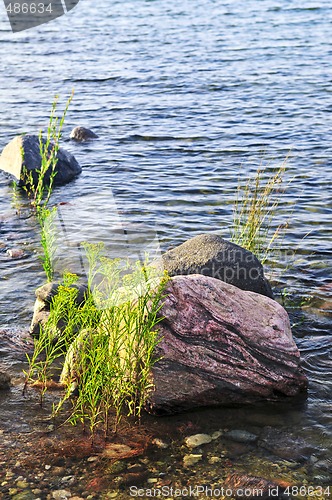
(24, 151)
(222, 346)
(81, 134)
(211, 255)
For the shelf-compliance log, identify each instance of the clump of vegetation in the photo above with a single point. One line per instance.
(254, 212)
(108, 341)
(105, 342)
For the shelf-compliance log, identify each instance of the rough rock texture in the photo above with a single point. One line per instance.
(211, 255)
(81, 134)
(4, 381)
(222, 346)
(11, 161)
(254, 487)
(44, 296)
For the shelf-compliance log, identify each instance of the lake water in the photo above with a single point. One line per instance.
(188, 99)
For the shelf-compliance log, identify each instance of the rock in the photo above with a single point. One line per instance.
(241, 436)
(221, 346)
(211, 255)
(285, 444)
(242, 485)
(11, 161)
(4, 381)
(81, 134)
(197, 440)
(159, 443)
(61, 494)
(191, 459)
(15, 253)
(45, 295)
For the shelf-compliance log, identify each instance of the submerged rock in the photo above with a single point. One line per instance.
(81, 134)
(241, 436)
(222, 346)
(23, 152)
(243, 485)
(197, 440)
(211, 255)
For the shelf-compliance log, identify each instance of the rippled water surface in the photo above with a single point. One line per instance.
(187, 98)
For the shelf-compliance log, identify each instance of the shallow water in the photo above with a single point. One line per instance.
(187, 98)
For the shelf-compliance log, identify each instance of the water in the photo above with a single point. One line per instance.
(187, 98)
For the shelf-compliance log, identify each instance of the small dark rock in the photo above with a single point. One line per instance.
(80, 134)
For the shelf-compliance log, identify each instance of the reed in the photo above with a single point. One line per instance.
(39, 188)
(255, 212)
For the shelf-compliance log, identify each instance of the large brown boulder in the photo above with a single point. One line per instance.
(24, 152)
(211, 255)
(222, 346)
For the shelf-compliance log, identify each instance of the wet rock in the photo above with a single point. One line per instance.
(61, 494)
(160, 443)
(211, 255)
(23, 152)
(5, 380)
(241, 436)
(44, 297)
(15, 253)
(220, 346)
(251, 487)
(197, 440)
(132, 479)
(24, 495)
(22, 484)
(81, 134)
(191, 459)
(285, 444)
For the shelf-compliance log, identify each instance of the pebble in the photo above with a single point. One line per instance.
(92, 459)
(214, 460)
(152, 480)
(22, 484)
(241, 436)
(191, 459)
(15, 253)
(61, 494)
(197, 440)
(24, 495)
(47, 467)
(216, 435)
(160, 443)
(68, 479)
